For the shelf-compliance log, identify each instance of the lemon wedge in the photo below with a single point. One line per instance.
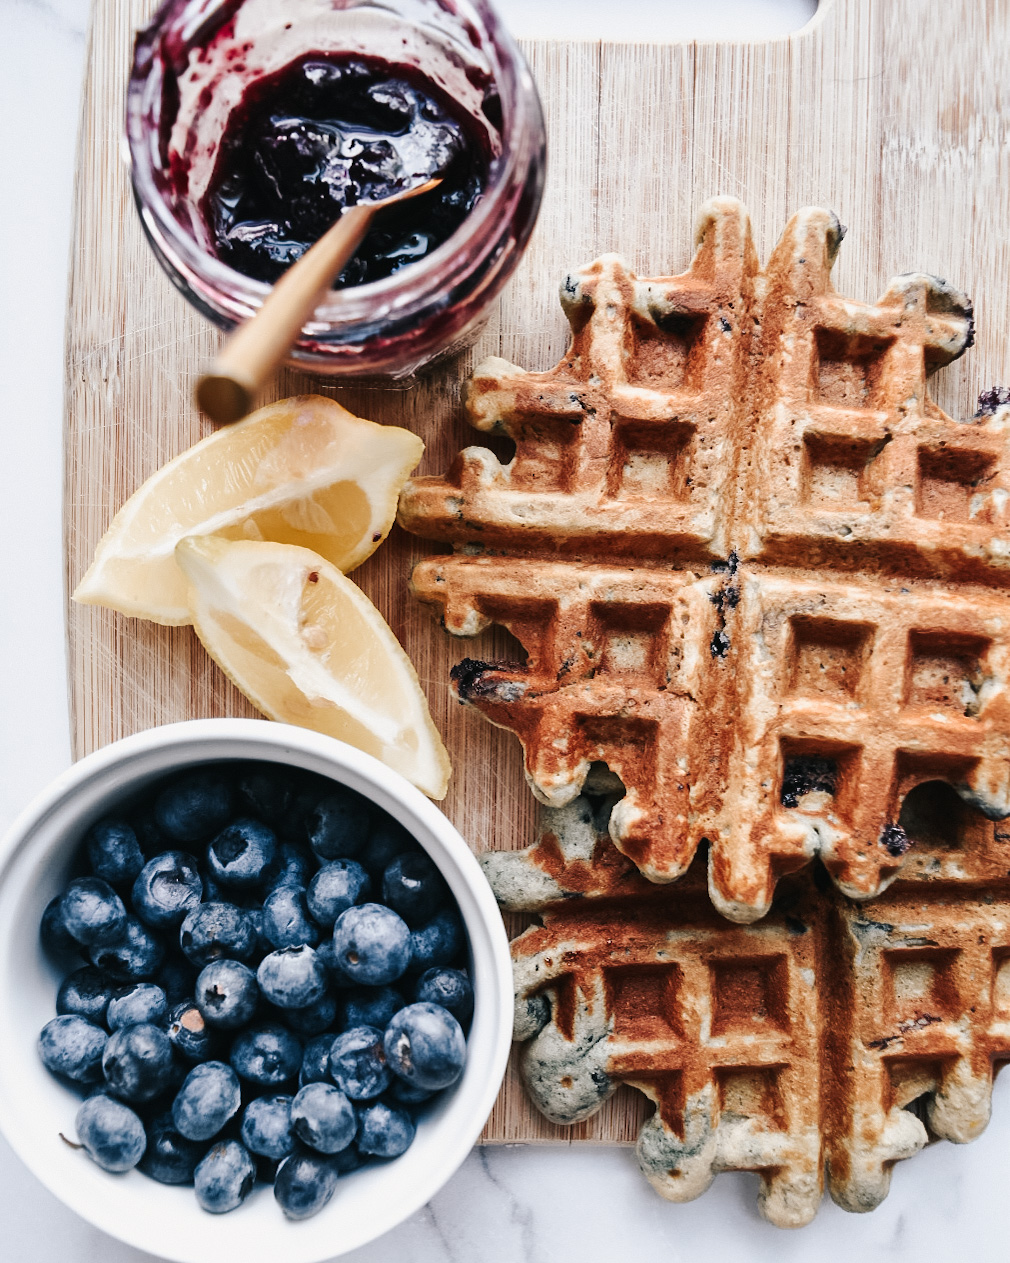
(302, 471)
(307, 647)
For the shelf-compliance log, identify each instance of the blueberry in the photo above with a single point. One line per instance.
(212, 930)
(388, 840)
(111, 1132)
(134, 957)
(335, 888)
(137, 1063)
(263, 944)
(213, 891)
(448, 987)
(339, 825)
(369, 1006)
(93, 913)
(347, 1160)
(314, 1018)
(86, 992)
(404, 1093)
(294, 826)
(114, 852)
(291, 867)
(194, 808)
(358, 1063)
(177, 978)
(335, 976)
(150, 838)
(286, 919)
(316, 1061)
(176, 1077)
(264, 793)
(53, 932)
(188, 1033)
(227, 994)
(424, 1044)
(240, 856)
(143, 1002)
(267, 1055)
(169, 1157)
(266, 1127)
(72, 1046)
(166, 889)
(413, 887)
(305, 1183)
(439, 942)
(209, 1097)
(323, 1118)
(372, 944)
(292, 978)
(384, 1131)
(224, 1178)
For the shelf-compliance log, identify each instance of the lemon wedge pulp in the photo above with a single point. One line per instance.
(307, 647)
(304, 471)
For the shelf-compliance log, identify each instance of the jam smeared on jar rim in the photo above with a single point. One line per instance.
(327, 132)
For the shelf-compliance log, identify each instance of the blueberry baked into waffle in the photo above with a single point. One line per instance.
(762, 577)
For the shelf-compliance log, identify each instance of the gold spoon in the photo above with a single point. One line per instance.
(226, 391)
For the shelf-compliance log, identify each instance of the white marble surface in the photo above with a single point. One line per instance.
(506, 1204)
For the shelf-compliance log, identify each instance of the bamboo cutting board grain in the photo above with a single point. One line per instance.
(887, 111)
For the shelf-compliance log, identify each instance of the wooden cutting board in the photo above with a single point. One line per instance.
(887, 111)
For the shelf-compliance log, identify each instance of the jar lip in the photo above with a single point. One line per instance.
(237, 296)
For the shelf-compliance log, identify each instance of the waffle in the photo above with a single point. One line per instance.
(754, 569)
(820, 1044)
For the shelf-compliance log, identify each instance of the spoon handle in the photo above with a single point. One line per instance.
(226, 391)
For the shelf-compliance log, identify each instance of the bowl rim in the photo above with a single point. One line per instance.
(147, 755)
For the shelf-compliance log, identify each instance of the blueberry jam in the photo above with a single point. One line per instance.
(325, 133)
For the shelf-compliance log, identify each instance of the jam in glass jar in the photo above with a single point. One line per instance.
(251, 124)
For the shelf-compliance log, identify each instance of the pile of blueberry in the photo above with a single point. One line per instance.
(275, 986)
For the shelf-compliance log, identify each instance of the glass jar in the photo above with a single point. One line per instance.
(191, 68)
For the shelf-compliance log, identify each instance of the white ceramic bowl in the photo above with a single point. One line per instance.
(35, 858)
